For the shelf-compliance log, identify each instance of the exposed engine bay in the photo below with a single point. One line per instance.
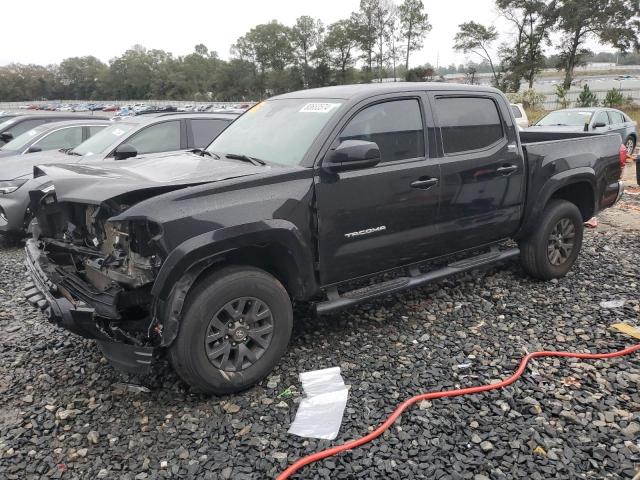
(107, 266)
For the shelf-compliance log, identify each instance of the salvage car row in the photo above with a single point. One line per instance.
(161, 245)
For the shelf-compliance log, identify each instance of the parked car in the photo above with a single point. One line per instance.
(600, 120)
(16, 125)
(520, 115)
(53, 136)
(300, 199)
(132, 136)
(110, 108)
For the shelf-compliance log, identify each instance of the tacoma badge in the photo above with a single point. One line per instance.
(366, 231)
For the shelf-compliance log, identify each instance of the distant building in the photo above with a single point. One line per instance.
(597, 66)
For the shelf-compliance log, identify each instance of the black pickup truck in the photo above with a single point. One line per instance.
(308, 197)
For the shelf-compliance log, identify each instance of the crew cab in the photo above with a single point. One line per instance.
(308, 197)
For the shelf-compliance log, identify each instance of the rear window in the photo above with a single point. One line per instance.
(516, 111)
(616, 118)
(468, 123)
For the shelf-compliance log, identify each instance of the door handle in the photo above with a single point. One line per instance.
(424, 183)
(506, 170)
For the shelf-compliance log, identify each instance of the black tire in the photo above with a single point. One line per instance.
(208, 302)
(630, 144)
(535, 252)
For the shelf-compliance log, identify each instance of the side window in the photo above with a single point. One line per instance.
(163, 137)
(22, 127)
(516, 111)
(601, 117)
(206, 130)
(65, 138)
(616, 118)
(396, 127)
(93, 129)
(468, 123)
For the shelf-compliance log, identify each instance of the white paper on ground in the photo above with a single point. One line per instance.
(320, 412)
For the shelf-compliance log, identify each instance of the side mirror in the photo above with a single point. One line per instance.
(352, 155)
(599, 125)
(125, 151)
(6, 137)
(34, 149)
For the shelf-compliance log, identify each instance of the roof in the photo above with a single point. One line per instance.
(367, 89)
(69, 123)
(152, 117)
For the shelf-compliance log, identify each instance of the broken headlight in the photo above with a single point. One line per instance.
(10, 186)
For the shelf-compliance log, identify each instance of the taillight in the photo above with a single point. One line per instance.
(623, 158)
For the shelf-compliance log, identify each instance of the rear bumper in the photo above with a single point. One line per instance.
(77, 317)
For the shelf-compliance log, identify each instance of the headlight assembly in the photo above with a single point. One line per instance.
(11, 186)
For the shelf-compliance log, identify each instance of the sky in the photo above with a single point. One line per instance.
(47, 31)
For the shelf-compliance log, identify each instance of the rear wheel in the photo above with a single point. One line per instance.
(553, 248)
(237, 325)
(630, 144)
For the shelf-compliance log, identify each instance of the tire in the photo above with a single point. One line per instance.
(630, 143)
(224, 344)
(536, 256)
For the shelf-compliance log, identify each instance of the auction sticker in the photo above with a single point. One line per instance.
(319, 107)
(117, 132)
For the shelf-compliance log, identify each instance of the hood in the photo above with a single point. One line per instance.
(93, 183)
(17, 166)
(8, 153)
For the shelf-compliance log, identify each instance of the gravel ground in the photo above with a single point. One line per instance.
(64, 414)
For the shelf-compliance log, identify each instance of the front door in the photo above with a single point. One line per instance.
(384, 216)
(482, 179)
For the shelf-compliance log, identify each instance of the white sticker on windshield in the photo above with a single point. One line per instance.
(117, 132)
(31, 133)
(319, 107)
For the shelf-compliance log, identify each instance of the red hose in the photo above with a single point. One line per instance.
(314, 457)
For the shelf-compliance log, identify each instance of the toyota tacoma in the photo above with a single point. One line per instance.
(331, 197)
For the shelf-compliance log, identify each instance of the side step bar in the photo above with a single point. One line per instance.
(416, 278)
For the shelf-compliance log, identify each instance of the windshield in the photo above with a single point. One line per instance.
(21, 141)
(101, 141)
(277, 131)
(573, 118)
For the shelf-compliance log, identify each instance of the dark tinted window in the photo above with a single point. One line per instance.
(395, 126)
(468, 123)
(601, 117)
(516, 111)
(22, 127)
(64, 138)
(163, 137)
(616, 118)
(205, 130)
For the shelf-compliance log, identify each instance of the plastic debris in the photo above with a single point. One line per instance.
(613, 303)
(131, 387)
(320, 412)
(591, 223)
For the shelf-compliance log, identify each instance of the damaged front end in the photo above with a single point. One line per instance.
(93, 276)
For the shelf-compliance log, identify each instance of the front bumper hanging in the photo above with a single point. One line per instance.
(78, 317)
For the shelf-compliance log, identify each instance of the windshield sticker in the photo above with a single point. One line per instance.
(118, 132)
(319, 107)
(31, 133)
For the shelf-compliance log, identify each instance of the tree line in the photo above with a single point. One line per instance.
(375, 42)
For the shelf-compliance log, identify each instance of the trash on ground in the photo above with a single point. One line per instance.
(320, 412)
(591, 223)
(131, 387)
(627, 329)
(613, 303)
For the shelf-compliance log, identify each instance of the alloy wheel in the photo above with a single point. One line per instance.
(561, 242)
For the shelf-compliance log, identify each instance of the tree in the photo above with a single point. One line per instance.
(533, 21)
(366, 32)
(414, 26)
(476, 38)
(306, 35)
(587, 98)
(340, 42)
(393, 25)
(614, 98)
(613, 22)
(79, 77)
(382, 18)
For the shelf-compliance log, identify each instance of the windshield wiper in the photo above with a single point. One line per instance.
(245, 158)
(202, 152)
(70, 151)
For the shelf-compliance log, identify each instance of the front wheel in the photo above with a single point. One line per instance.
(553, 248)
(237, 325)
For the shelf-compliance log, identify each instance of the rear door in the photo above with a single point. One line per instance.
(384, 216)
(482, 180)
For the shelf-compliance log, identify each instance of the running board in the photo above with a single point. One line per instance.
(348, 299)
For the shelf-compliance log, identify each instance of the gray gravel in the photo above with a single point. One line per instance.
(67, 414)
